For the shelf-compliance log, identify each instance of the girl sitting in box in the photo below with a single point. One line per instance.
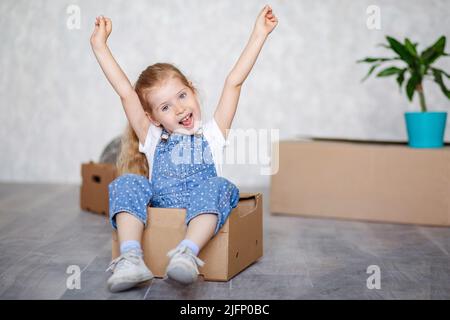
(165, 125)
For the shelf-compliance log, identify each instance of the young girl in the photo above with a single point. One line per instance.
(164, 118)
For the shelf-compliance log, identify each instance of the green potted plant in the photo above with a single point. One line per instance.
(425, 129)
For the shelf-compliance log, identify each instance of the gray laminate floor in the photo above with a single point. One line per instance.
(43, 232)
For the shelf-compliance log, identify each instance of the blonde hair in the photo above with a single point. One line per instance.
(130, 160)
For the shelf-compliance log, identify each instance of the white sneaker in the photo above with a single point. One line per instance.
(183, 265)
(128, 270)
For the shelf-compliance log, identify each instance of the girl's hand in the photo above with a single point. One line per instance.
(102, 30)
(266, 21)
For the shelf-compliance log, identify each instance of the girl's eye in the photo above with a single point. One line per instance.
(183, 95)
(164, 108)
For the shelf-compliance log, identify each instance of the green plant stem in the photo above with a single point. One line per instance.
(423, 105)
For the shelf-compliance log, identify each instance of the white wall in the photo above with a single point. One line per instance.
(57, 109)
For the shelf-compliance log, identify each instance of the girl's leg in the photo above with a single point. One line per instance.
(129, 227)
(129, 195)
(210, 204)
(129, 231)
(201, 229)
(216, 197)
(183, 263)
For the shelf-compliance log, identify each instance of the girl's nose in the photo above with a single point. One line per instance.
(179, 109)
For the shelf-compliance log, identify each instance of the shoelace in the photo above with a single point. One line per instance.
(186, 251)
(123, 260)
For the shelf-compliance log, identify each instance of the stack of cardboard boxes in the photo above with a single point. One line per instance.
(374, 181)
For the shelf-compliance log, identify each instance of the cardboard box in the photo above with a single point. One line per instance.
(238, 243)
(385, 182)
(94, 187)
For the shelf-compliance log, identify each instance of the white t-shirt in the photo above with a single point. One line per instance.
(211, 131)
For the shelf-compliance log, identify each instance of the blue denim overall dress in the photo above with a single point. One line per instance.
(184, 176)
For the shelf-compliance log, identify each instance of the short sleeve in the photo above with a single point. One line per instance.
(217, 143)
(144, 148)
(214, 131)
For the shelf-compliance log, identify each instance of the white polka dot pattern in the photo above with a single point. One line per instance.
(192, 184)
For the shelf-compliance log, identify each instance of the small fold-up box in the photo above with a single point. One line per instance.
(238, 243)
(363, 180)
(94, 187)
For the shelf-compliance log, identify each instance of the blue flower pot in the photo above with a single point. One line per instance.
(426, 129)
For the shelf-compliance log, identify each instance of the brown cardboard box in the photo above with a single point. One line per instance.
(94, 188)
(238, 243)
(388, 182)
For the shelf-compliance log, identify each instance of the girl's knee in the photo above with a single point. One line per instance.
(131, 193)
(130, 181)
(127, 179)
(223, 184)
(220, 181)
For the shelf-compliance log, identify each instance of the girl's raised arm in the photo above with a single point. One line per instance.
(130, 100)
(226, 109)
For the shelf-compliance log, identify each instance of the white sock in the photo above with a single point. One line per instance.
(128, 245)
(191, 245)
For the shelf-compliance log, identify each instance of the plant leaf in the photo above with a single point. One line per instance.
(430, 54)
(389, 72)
(410, 47)
(411, 86)
(442, 71)
(373, 59)
(401, 78)
(438, 79)
(383, 45)
(401, 51)
(370, 71)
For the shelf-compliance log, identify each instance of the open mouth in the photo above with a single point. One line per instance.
(186, 121)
